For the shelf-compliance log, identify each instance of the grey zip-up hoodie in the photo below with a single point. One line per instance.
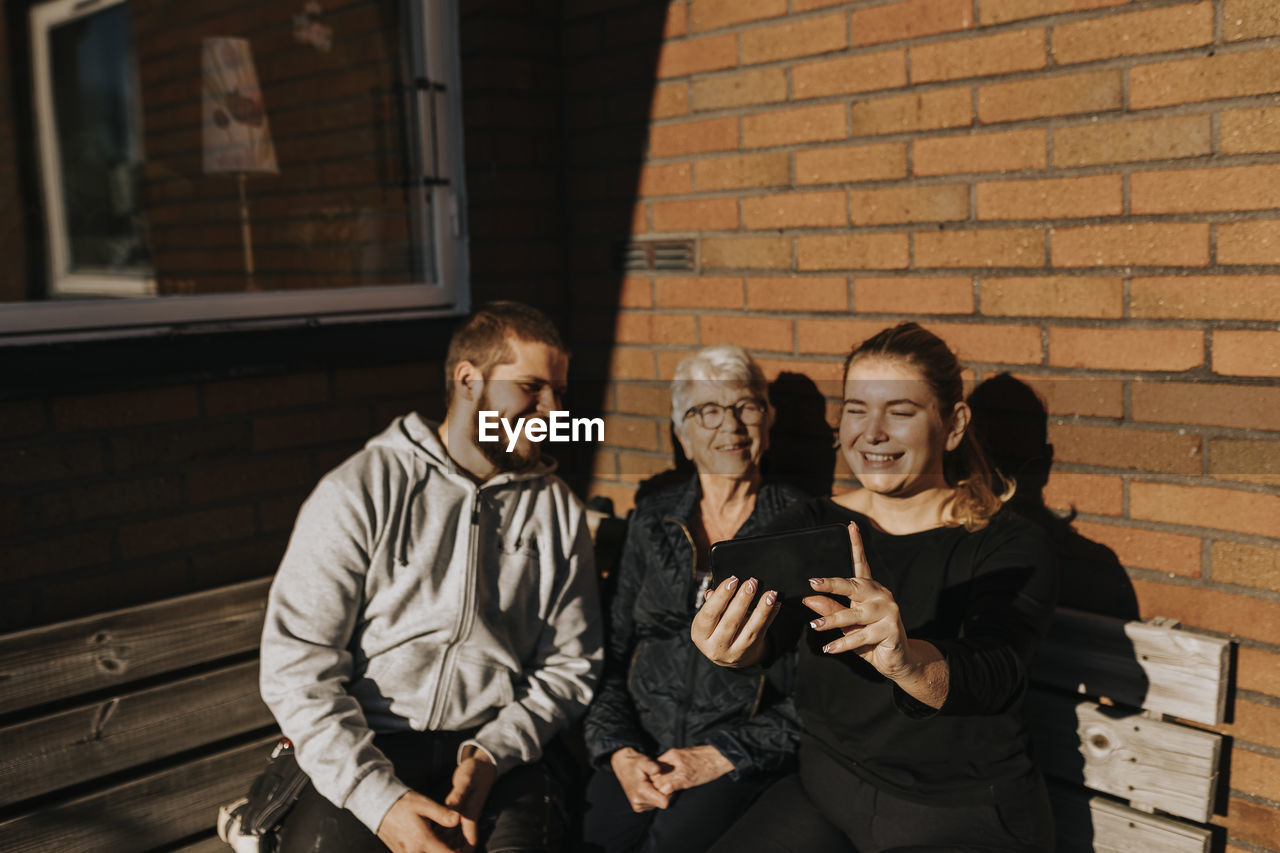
(412, 598)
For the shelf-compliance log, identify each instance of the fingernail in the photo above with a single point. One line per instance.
(827, 648)
(817, 623)
(814, 581)
(751, 586)
(733, 581)
(770, 598)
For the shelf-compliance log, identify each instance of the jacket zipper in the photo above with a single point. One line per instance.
(463, 626)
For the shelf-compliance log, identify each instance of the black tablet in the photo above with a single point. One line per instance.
(785, 561)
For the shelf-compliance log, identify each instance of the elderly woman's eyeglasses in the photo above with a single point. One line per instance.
(749, 412)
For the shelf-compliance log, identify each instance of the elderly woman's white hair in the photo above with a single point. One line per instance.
(723, 363)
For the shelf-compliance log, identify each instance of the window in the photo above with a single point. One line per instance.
(209, 162)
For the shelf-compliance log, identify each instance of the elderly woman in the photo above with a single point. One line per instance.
(683, 746)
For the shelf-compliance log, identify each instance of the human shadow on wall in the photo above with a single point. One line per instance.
(1011, 423)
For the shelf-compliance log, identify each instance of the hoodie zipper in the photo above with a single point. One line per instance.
(463, 626)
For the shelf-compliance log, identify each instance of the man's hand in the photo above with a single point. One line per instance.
(417, 824)
(636, 773)
(689, 768)
(471, 783)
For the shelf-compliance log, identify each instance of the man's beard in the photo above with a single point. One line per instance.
(496, 451)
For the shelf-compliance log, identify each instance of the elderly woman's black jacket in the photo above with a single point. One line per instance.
(658, 691)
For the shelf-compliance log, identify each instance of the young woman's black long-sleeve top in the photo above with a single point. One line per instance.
(658, 691)
(984, 598)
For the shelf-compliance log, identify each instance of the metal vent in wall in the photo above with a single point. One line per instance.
(641, 255)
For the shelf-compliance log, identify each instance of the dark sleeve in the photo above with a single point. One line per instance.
(1007, 613)
(766, 742)
(611, 723)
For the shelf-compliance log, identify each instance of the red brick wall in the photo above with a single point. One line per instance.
(1084, 193)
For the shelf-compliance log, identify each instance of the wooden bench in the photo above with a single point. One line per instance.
(1155, 779)
(126, 730)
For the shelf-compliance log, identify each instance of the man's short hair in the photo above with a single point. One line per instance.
(482, 339)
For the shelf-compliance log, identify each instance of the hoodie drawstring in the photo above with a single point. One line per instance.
(423, 473)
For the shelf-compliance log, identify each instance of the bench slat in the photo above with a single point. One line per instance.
(155, 810)
(100, 652)
(1165, 670)
(1163, 765)
(1099, 825)
(128, 730)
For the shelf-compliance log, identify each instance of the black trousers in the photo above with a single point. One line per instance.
(826, 809)
(525, 810)
(692, 822)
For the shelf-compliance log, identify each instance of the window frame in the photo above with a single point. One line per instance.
(434, 117)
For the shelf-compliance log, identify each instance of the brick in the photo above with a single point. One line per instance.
(825, 375)
(765, 333)
(834, 336)
(1251, 823)
(635, 467)
(1249, 19)
(49, 555)
(691, 56)
(1057, 198)
(48, 462)
(634, 328)
(346, 425)
(699, 214)
(1197, 607)
(1190, 190)
(1256, 242)
(713, 14)
(1255, 773)
(630, 363)
(177, 445)
(635, 398)
(185, 531)
(272, 392)
(1053, 296)
(1253, 722)
(1246, 460)
(693, 137)
(1090, 493)
(909, 19)
(1186, 81)
(637, 433)
(849, 74)
(1086, 396)
(699, 292)
(757, 86)
(794, 293)
(804, 37)
(668, 100)
(21, 418)
(1246, 353)
(388, 379)
(608, 292)
(1126, 349)
(795, 210)
(909, 113)
(665, 179)
(1006, 247)
(1009, 151)
(745, 252)
(1019, 50)
(905, 295)
(990, 343)
(1203, 506)
(1258, 671)
(1252, 131)
(749, 170)
(1003, 11)
(1247, 565)
(851, 164)
(1147, 549)
(1136, 244)
(1208, 297)
(1146, 32)
(1207, 404)
(852, 252)
(1114, 447)
(125, 408)
(250, 477)
(1130, 141)
(1095, 92)
(788, 127)
(945, 203)
(99, 500)
(623, 496)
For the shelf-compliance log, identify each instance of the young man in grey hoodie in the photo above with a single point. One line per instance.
(434, 620)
